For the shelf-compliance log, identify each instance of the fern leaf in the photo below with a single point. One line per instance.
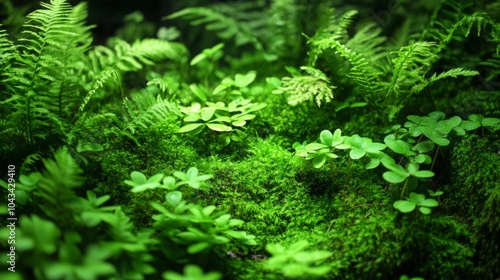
(454, 73)
(143, 111)
(221, 19)
(410, 66)
(315, 86)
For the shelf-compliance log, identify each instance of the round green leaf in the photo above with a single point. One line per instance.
(424, 147)
(207, 113)
(398, 146)
(326, 137)
(319, 160)
(173, 198)
(138, 177)
(394, 177)
(425, 210)
(404, 206)
(357, 153)
(244, 80)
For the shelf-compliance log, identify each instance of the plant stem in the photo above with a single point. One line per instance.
(404, 188)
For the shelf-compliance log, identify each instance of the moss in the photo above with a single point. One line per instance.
(488, 238)
(475, 171)
(435, 247)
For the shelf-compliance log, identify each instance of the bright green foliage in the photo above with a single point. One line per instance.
(416, 200)
(61, 245)
(313, 87)
(192, 272)
(221, 19)
(221, 118)
(53, 66)
(198, 229)
(191, 178)
(295, 262)
(359, 147)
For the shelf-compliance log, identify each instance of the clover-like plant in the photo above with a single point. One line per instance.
(139, 182)
(416, 201)
(228, 120)
(236, 86)
(319, 152)
(296, 262)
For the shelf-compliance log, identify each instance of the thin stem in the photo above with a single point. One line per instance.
(435, 157)
(404, 188)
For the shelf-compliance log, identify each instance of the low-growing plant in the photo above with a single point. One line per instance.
(296, 262)
(228, 120)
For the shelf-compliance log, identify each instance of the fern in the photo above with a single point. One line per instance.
(57, 185)
(125, 57)
(51, 73)
(315, 86)
(141, 112)
(410, 66)
(235, 21)
(336, 30)
(40, 68)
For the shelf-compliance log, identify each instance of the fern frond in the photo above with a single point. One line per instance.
(368, 41)
(335, 31)
(223, 20)
(452, 73)
(142, 111)
(125, 57)
(315, 86)
(341, 26)
(361, 71)
(57, 186)
(410, 66)
(36, 93)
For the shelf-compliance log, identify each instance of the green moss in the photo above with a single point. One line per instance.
(436, 247)
(488, 237)
(475, 172)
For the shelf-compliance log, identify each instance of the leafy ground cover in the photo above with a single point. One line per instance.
(292, 140)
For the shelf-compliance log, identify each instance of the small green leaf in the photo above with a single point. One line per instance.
(198, 58)
(423, 174)
(173, 198)
(424, 147)
(319, 160)
(244, 80)
(357, 153)
(404, 206)
(198, 247)
(425, 210)
(239, 123)
(394, 177)
(218, 89)
(429, 202)
(315, 146)
(218, 127)
(207, 113)
(398, 146)
(326, 137)
(190, 127)
(490, 121)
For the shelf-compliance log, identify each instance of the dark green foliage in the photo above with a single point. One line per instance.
(149, 161)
